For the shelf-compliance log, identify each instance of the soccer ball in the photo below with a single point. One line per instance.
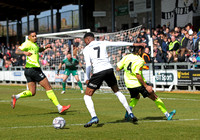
(59, 122)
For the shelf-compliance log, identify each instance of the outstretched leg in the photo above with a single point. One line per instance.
(51, 95)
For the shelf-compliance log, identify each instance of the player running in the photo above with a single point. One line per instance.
(95, 54)
(33, 72)
(135, 82)
(70, 68)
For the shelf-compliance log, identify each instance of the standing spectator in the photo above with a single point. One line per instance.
(146, 58)
(173, 48)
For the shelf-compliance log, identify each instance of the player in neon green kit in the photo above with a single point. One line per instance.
(33, 72)
(135, 82)
(70, 68)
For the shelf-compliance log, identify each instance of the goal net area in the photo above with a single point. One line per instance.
(72, 41)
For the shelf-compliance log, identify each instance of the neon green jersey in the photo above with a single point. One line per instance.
(132, 64)
(33, 60)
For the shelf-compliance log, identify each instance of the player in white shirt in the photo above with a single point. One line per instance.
(95, 55)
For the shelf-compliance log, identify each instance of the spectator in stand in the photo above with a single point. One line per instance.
(165, 47)
(197, 44)
(146, 57)
(4, 48)
(15, 62)
(190, 44)
(53, 61)
(8, 54)
(198, 56)
(158, 55)
(23, 61)
(173, 49)
(192, 57)
(48, 59)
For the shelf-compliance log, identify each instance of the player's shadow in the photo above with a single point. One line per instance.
(71, 112)
(153, 118)
(117, 121)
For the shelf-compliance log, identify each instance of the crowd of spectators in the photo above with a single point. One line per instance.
(181, 44)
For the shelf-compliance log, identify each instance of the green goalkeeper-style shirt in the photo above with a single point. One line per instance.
(71, 65)
(132, 64)
(33, 60)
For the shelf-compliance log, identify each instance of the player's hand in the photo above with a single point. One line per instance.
(27, 53)
(149, 89)
(83, 68)
(58, 72)
(87, 81)
(48, 46)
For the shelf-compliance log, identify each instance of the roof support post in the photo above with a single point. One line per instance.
(58, 21)
(113, 15)
(52, 19)
(28, 27)
(19, 30)
(7, 30)
(36, 24)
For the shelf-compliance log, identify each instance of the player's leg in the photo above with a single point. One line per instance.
(64, 83)
(26, 93)
(51, 95)
(112, 82)
(160, 104)
(93, 84)
(79, 83)
(90, 106)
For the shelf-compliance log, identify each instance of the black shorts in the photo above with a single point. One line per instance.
(34, 74)
(107, 75)
(135, 91)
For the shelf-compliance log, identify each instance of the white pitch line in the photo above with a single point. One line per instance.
(3, 101)
(142, 121)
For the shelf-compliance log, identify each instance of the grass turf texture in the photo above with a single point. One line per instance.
(32, 117)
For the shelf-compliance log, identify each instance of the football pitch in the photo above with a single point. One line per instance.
(32, 117)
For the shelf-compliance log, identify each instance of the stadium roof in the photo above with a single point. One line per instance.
(16, 9)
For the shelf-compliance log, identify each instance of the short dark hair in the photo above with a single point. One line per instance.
(135, 49)
(89, 34)
(30, 32)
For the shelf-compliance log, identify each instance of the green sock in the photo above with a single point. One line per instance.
(160, 105)
(52, 97)
(133, 102)
(26, 93)
(80, 85)
(63, 85)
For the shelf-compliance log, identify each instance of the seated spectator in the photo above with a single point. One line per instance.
(192, 57)
(15, 62)
(198, 56)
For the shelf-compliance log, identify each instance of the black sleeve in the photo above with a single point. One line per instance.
(146, 59)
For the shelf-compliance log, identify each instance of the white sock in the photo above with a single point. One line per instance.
(166, 114)
(90, 105)
(59, 107)
(123, 100)
(17, 96)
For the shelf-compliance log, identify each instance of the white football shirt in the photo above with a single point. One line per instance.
(95, 54)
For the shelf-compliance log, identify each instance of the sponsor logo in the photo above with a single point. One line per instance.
(92, 85)
(17, 73)
(165, 77)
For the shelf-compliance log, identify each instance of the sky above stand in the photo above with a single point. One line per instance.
(47, 13)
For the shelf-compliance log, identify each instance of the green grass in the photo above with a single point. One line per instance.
(32, 118)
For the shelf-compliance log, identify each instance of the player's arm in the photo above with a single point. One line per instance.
(88, 65)
(138, 72)
(120, 43)
(44, 48)
(81, 66)
(120, 64)
(59, 67)
(21, 52)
